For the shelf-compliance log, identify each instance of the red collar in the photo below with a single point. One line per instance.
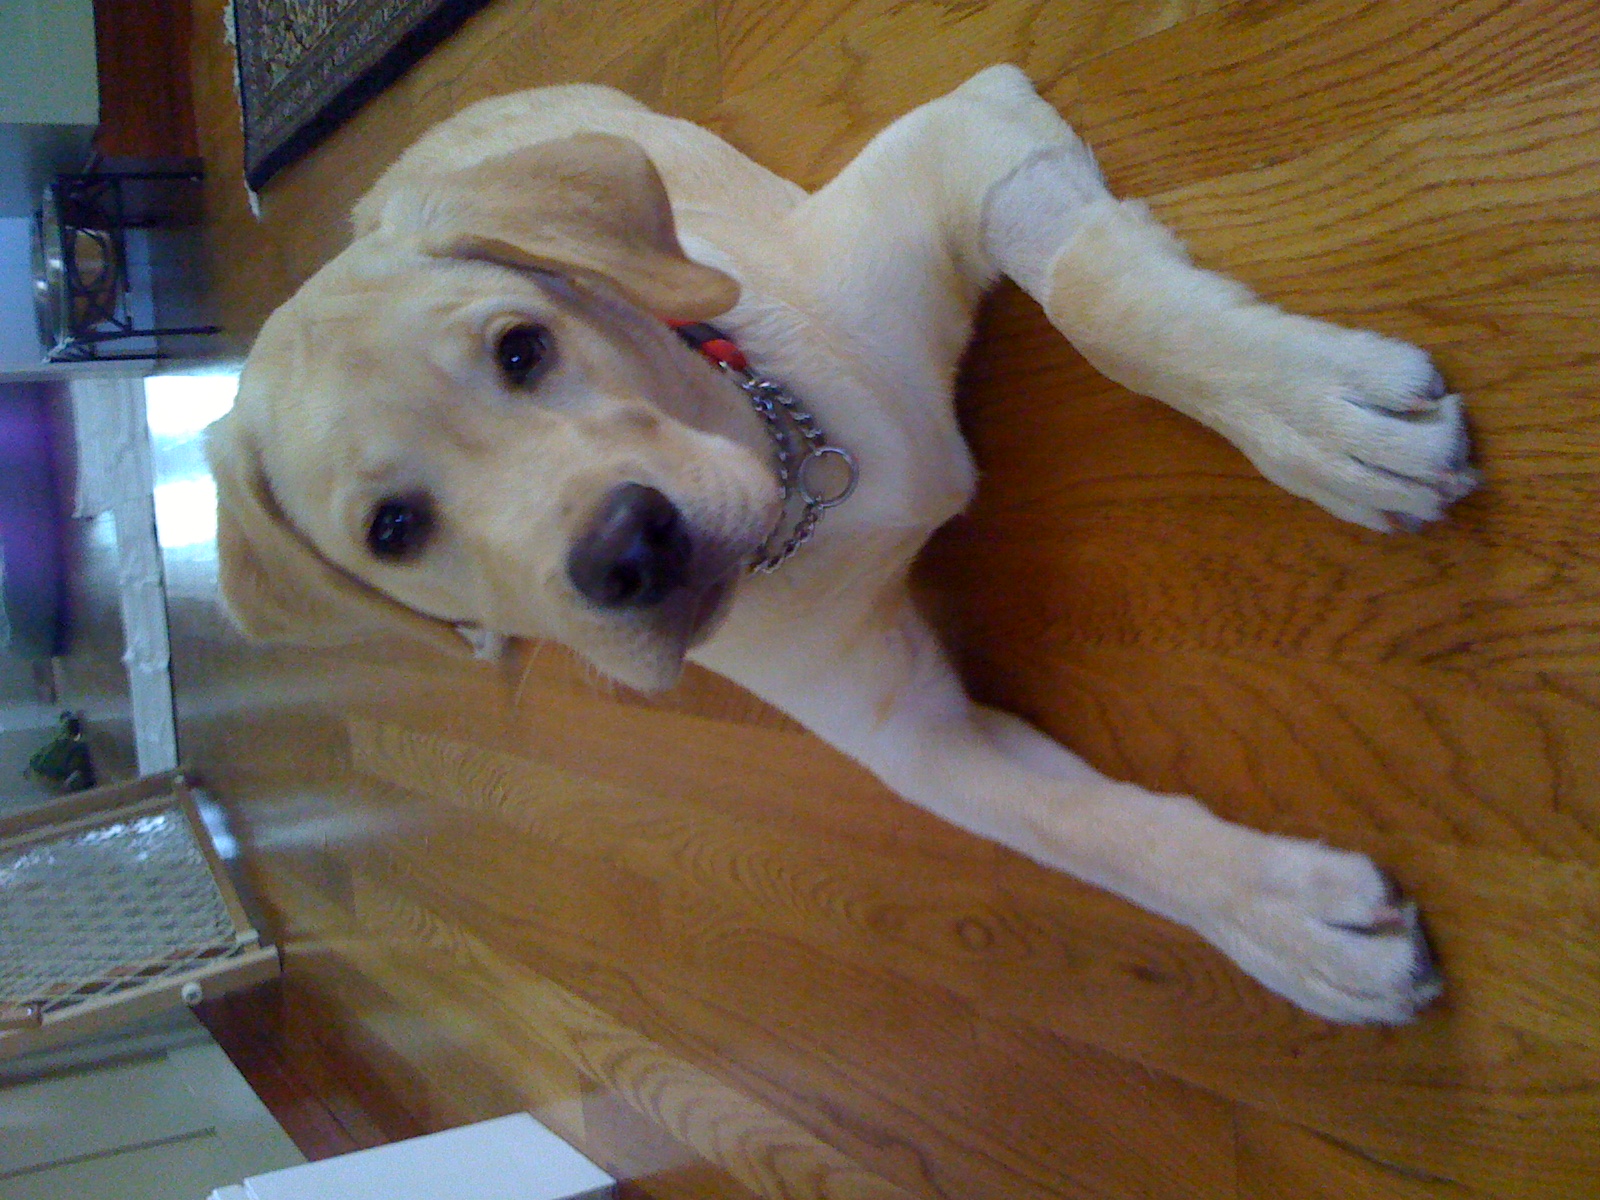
(711, 342)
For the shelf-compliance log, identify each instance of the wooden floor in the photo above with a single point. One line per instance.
(727, 963)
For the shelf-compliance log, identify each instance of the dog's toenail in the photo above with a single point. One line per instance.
(1459, 483)
(1389, 919)
(1393, 894)
(1404, 523)
(1425, 974)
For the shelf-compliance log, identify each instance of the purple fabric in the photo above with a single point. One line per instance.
(33, 520)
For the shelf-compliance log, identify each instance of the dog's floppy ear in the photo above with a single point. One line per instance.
(276, 586)
(586, 204)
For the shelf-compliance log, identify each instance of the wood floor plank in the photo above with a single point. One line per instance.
(792, 777)
(1277, 1160)
(840, 62)
(653, 1165)
(1252, 84)
(762, 1147)
(818, 1074)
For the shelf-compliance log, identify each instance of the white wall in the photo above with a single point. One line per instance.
(49, 95)
(48, 49)
(19, 339)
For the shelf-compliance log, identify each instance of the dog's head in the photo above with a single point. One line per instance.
(475, 415)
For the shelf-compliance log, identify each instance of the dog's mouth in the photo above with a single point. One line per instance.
(693, 610)
(689, 616)
(710, 607)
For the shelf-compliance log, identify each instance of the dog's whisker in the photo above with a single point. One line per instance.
(531, 650)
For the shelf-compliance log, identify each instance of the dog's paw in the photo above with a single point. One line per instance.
(1361, 424)
(1328, 930)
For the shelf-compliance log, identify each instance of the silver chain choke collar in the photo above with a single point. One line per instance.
(794, 431)
(800, 448)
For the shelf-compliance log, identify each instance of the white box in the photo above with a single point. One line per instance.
(508, 1158)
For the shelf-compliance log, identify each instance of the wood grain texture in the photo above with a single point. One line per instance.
(146, 109)
(725, 961)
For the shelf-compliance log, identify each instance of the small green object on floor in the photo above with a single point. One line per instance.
(64, 761)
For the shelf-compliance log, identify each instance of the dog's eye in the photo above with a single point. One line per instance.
(399, 527)
(522, 352)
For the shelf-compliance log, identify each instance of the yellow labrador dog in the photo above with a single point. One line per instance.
(478, 418)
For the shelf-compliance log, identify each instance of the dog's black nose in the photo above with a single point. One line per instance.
(635, 551)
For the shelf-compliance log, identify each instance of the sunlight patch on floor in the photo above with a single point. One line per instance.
(179, 407)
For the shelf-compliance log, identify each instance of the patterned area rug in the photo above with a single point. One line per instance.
(306, 65)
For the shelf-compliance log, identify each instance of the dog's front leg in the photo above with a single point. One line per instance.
(904, 241)
(1359, 423)
(1323, 927)
(989, 180)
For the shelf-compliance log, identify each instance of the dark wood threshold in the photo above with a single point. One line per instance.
(288, 1045)
(146, 94)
